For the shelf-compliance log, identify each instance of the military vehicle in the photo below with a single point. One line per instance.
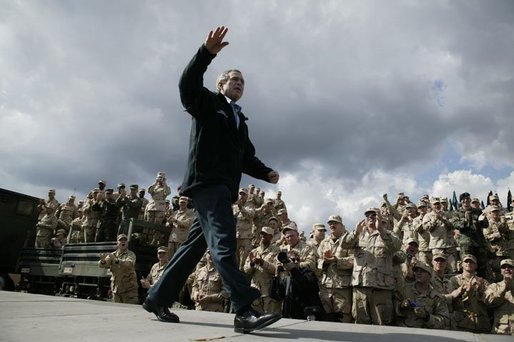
(69, 271)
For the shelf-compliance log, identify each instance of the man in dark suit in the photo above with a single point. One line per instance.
(219, 152)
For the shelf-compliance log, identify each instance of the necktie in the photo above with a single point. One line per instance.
(236, 109)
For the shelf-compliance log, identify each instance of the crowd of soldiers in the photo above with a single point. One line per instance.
(407, 264)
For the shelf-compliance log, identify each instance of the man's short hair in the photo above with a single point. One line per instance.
(223, 78)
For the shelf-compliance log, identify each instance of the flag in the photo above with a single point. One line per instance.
(455, 201)
(509, 201)
(489, 195)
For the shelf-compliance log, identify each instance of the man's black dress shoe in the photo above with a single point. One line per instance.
(253, 320)
(162, 312)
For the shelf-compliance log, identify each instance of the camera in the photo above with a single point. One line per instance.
(283, 258)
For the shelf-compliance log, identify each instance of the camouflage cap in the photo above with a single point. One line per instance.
(492, 208)
(507, 262)
(267, 230)
(273, 218)
(183, 199)
(101, 181)
(142, 189)
(444, 200)
(412, 240)
(318, 226)
(494, 197)
(109, 191)
(162, 249)
(469, 257)
(121, 185)
(281, 212)
(423, 266)
(370, 210)
(121, 237)
(335, 218)
(243, 190)
(439, 256)
(51, 191)
(410, 205)
(290, 226)
(134, 187)
(475, 200)
(435, 200)
(422, 204)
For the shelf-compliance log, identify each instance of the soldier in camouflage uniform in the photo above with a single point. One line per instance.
(90, 217)
(261, 217)
(145, 202)
(497, 241)
(336, 264)
(107, 209)
(122, 264)
(260, 267)
(180, 221)
(404, 228)
(66, 213)
(45, 228)
(50, 202)
(424, 253)
(422, 306)
(208, 293)
(373, 277)
(317, 235)
(467, 292)
(130, 206)
(437, 223)
(500, 297)
(76, 235)
(155, 209)
(278, 202)
(308, 255)
(244, 212)
(469, 234)
(157, 268)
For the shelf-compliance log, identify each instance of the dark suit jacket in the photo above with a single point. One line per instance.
(219, 152)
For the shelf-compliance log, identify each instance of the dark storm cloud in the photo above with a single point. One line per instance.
(335, 90)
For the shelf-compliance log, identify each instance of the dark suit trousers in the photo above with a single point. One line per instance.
(215, 228)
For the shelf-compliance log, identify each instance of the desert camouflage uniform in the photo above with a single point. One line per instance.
(469, 309)
(180, 229)
(432, 301)
(261, 277)
(244, 215)
(124, 285)
(45, 230)
(336, 279)
(373, 275)
(208, 283)
(501, 297)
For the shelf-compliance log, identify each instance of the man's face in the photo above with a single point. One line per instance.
(182, 204)
(319, 234)
(370, 219)
(422, 276)
(51, 195)
(273, 224)
(101, 186)
(336, 228)
(162, 256)
(475, 205)
(437, 207)
(291, 237)
(507, 271)
(469, 265)
(234, 87)
(466, 203)
(422, 209)
(439, 265)
(266, 238)
(279, 195)
(122, 244)
(243, 196)
(141, 194)
(412, 248)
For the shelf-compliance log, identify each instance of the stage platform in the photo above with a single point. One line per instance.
(37, 318)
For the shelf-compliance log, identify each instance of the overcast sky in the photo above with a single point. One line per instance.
(346, 99)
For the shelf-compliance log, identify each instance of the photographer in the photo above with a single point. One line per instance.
(298, 288)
